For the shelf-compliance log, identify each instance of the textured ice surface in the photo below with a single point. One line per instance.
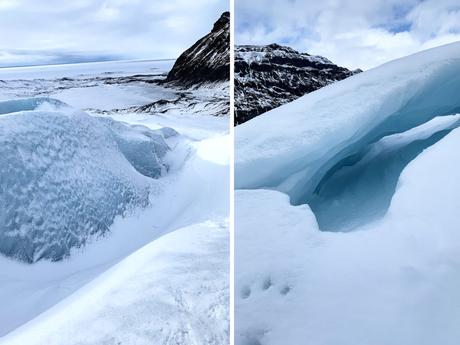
(65, 175)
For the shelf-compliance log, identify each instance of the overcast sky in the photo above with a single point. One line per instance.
(351, 33)
(60, 31)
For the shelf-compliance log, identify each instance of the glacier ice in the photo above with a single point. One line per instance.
(359, 188)
(302, 147)
(65, 176)
(142, 147)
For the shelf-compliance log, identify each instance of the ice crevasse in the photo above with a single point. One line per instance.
(65, 175)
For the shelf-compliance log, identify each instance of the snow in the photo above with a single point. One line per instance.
(108, 97)
(115, 87)
(250, 53)
(395, 282)
(349, 232)
(149, 297)
(186, 124)
(190, 196)
(103, 86)
(82, 70)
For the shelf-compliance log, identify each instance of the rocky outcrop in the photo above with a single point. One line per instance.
(208, 60)
(272, 75)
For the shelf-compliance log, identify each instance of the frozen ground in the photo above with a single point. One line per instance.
(143, 250)
(348, 230)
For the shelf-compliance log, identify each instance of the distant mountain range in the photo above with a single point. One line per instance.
(271, 75)
(208, 60)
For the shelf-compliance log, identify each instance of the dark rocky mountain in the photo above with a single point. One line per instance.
(208, 60)
(272, 75)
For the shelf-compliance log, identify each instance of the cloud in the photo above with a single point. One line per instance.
(352, 33)
(36, 32)
(15, 58)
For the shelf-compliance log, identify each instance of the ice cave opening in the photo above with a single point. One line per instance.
(358, 189)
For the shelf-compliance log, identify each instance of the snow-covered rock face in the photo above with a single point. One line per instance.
(208, 60)
(65, 176)
(272, 75)
(313, 147)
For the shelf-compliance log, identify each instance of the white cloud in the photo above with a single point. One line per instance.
(50, 30)
(352, 33)
(6, 4)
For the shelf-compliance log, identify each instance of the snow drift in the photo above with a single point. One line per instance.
(396, 283)
(173, 290)
(65, 176)
(295, 147)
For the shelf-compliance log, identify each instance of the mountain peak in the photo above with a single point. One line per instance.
(208, 60)
(267, 76)
(222, 22)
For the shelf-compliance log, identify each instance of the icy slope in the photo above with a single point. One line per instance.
(172, 291)
(293, 147)
(66, 175)
(397, 283)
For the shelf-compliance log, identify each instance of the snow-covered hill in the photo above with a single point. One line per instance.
(83, 154)
(370, 254)
(272, 75)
